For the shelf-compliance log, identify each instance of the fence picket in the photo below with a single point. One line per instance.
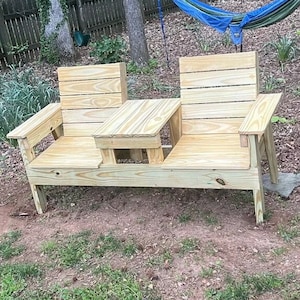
(19, 23)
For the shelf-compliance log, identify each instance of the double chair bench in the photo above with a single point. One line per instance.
(219, 129)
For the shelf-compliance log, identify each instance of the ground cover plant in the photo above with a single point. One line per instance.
(150, 243)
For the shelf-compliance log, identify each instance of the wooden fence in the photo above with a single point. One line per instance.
(19, 23)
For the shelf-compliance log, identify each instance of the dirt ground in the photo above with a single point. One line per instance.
(160, 218)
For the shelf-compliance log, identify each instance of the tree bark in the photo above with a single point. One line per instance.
(59, 27)
(136, 33)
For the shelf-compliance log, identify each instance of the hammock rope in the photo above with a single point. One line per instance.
(221, 19)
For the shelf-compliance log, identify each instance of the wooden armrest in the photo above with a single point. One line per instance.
(39, 125)
(260, 114)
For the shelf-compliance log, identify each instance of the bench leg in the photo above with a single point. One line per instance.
(39, 198)
(259, 204)
(271, 154)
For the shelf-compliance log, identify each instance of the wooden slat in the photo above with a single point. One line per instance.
(87, 115)
(128, 143)
(260, 115)
(208, 126)
(218, 62)
(91, 101)
(39, 126)
(215, 151)
(68, 152)
(90, 72)
(211, 111)
(145, 176)
(84, 87)
(139, 118)
(218, 78)
(81, 129)
(218, 94)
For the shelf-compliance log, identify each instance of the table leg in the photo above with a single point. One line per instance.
(155, 155)
(136, 154)
(175, 127)
(108, 156)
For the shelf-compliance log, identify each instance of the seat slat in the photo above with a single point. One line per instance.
(215, 151)
(69, 152)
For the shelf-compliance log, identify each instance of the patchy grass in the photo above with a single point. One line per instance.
(8, 248)
(249, 287)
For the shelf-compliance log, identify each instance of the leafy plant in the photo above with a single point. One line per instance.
(271, 83)
(148, 69)
(22, 94)
(285, 47)
(277, 119)
(108, 50)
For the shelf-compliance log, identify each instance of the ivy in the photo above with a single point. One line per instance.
(49, 50)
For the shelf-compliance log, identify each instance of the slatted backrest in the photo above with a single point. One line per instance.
(217, 91)
(89, 95)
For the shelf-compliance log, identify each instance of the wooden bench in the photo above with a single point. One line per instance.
(221, 130)
(226, 123)
(88, 96)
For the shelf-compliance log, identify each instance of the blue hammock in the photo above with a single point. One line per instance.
(236, 22)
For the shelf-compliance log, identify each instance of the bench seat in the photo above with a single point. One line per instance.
(214, 151)
(69, 152)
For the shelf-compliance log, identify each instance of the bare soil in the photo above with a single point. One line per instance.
(223, 222)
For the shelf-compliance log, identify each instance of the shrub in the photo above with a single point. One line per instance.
(22, 94)
(285, 48)
(109, 50)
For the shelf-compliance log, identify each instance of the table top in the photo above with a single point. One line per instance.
(139, 118)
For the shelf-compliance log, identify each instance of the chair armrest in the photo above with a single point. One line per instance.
(39, 125)
(260, 114)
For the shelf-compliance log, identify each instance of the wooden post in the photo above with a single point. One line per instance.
(4, 38)
(80, 16)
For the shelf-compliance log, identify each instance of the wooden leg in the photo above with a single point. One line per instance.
(39, 198)
(108, 156)
(271, 154)
(175, 127)
(136, 154)
(259, 205)
(155, 155)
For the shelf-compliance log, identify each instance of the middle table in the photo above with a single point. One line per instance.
(137, 125)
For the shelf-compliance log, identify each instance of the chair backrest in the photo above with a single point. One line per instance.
(217, 91)
(89, 95)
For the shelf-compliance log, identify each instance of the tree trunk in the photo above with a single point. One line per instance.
(136, 33)
(58, 28)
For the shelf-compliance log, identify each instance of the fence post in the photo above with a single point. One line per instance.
(4, 38)
(80, 17)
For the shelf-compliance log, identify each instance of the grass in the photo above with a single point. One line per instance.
(189, 245)
(249, 287)
(291, 230)
(25, 281)
(8, 249)
(22, 94)
(164, 258)
(184, 218)
(14, 277)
